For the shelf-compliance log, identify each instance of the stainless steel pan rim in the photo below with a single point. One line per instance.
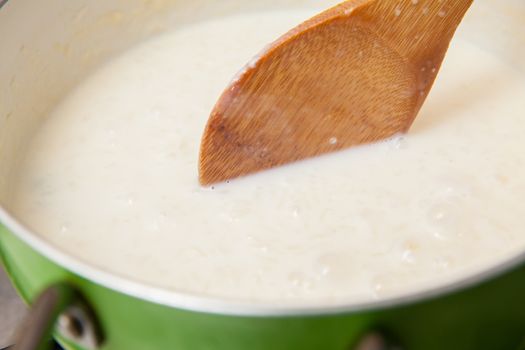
(207, 304)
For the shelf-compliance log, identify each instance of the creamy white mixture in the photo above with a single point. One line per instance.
(112, 178)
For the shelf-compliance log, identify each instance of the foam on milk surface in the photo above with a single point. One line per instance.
(112, 178)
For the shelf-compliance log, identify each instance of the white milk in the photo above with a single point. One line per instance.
(112, 179)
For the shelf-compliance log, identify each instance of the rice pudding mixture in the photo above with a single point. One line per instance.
(111, 178)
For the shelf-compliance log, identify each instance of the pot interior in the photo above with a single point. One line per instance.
(53, 46)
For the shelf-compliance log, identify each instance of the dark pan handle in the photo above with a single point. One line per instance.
(52, 345)
(63, 309)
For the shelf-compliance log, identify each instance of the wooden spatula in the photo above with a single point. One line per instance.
(355, 74)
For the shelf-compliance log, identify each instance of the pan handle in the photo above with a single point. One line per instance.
(59, 308)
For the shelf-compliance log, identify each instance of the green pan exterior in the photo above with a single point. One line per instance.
(486, 317)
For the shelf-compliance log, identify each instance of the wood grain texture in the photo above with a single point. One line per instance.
(357, 73)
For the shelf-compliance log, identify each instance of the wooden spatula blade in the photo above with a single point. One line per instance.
(341, 79)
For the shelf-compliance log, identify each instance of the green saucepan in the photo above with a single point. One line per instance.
(45, 48)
